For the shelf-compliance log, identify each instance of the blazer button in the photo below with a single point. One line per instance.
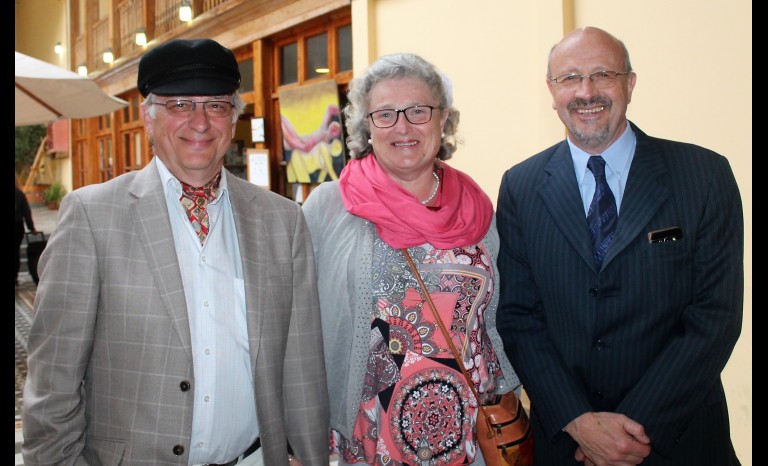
(178, 449)
(593, 292)
(185, 385)
(597, 395)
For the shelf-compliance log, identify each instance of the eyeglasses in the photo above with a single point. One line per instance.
(213, 108)
(416, 115)
(600, 79)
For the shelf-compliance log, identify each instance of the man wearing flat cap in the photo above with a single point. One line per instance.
(177, 319)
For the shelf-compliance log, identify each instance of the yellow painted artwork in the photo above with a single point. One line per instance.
(312, 133)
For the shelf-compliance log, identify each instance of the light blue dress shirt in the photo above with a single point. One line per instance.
(618, 158)
(224, 421)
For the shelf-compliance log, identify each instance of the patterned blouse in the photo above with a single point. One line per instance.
(417, 408)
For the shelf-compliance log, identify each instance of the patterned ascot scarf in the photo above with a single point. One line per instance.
(401, 221)
(195, 202)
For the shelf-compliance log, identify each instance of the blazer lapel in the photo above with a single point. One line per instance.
(560, 194)
(153, 227)
(646, 191)
(250, 231)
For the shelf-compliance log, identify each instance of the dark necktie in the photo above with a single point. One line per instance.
(602, 214)
(195, 202)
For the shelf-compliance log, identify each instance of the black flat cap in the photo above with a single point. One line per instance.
(188, 67)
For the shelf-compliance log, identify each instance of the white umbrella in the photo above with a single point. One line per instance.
(46, 92)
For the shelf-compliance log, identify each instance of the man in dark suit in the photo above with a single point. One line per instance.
(180, 333)
(620, 345)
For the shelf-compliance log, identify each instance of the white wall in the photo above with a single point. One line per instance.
(694, 65)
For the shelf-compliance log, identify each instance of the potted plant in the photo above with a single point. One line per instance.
(54, 194)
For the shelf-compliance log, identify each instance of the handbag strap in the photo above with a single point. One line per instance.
(425, 294)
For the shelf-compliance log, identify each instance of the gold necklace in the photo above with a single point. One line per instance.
(434, 192)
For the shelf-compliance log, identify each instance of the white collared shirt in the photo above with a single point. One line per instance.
(224, 421)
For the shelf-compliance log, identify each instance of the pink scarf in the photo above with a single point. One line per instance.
(402, 221)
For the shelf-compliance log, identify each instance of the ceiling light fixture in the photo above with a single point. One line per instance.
(141, 37)
(185, 11)
(108, 56)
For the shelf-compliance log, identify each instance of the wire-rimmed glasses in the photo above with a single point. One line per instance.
(213, 108)
(600, 79)
(417, 115)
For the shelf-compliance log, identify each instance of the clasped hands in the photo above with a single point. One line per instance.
(609, 439)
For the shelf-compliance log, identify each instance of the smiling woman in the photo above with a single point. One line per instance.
(396, 196)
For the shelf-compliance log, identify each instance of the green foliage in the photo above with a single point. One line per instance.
(27, 142)
(54, 193)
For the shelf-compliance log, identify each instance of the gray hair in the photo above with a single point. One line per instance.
(395, 66)
(237, 102)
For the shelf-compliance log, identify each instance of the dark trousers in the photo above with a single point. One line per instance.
(18, 237)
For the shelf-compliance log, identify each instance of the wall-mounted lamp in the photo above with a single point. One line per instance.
(82, 70)
(58, 48)
(108, 56)
(322, 70)
(185, 11)
(141, 37)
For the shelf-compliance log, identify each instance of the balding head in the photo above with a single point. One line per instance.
(589, 38)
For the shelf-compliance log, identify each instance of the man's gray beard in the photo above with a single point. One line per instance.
(596, 140)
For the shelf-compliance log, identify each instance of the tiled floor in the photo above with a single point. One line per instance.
(25, 294)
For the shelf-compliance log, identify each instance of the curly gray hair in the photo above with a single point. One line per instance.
(395, 66)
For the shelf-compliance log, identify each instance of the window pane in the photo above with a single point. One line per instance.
(317, 56)
(127, 151)
(135, 113)
(345, 48)
(246, 75)
(289, 68)
(137, 148)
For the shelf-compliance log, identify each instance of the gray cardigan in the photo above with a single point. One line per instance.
(343, 246)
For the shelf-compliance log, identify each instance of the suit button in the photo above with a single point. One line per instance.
(597, 395)
(178, 449)
(593, 292)
(184, 386)
(599, 344)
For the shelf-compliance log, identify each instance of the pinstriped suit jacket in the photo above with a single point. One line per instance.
(110, 347)
(650, 333)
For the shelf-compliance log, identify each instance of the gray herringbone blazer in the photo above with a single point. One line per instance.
(110, 358)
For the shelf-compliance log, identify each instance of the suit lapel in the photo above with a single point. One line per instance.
(646, 191)
(150, 217)
(560, 193)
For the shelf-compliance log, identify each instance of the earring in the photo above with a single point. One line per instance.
(442, 135)
(369, 141)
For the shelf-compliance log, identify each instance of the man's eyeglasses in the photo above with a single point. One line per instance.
(213, 108)
(417, 115)
(600, 79)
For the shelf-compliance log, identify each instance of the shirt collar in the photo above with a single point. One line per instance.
(172, 185)
(616, 156)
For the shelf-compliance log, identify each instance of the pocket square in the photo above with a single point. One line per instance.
(665, 234)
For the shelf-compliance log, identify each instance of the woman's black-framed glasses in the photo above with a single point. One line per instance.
(416, 115)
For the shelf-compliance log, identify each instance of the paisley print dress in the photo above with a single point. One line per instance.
(417, 408)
